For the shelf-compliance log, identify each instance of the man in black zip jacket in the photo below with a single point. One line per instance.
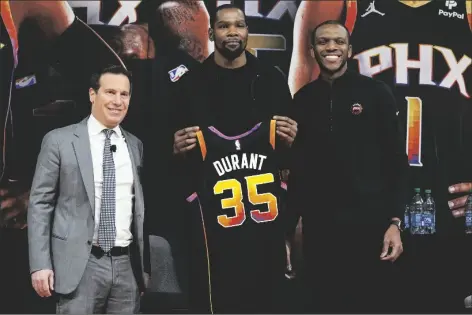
(347, 182)
(232, 91)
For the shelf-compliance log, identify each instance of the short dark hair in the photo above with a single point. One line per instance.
(329, 22)
(113, 69)
(214, 16)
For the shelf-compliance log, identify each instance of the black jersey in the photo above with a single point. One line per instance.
(424, 54)
(238, 189)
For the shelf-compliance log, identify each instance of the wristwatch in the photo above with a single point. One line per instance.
(397, 223)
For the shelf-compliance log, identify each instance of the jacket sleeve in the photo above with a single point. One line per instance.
(295, 200)
(281, 105)
(181, 107)
(147, 222)
(42, 202)
(282, 98)
(394, 149)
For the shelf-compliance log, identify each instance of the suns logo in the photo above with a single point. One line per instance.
(356, 109)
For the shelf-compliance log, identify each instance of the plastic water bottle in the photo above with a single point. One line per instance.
(468, 215)
(416, 213)
(429, 213)
(406, 216)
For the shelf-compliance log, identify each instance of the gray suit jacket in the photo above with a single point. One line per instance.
(62, 205)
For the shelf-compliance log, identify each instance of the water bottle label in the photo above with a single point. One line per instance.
(428, 220)
(418, 220)
(468, 219)
(412, 220)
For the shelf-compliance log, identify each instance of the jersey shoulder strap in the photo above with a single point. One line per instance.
(202, 144)
(272, 133)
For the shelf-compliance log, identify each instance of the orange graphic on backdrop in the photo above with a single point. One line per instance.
(413, 135)
(7, 18)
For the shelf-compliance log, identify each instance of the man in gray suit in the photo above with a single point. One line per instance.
(86, 212)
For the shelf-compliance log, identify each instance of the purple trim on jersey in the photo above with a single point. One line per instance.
(220, 134)
(192, 197)
(283, 185)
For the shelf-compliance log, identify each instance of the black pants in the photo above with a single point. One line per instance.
(344, 273)
(436, 271)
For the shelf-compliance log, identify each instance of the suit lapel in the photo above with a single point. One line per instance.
(82, 151)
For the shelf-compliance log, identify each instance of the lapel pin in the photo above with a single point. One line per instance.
(356, 109)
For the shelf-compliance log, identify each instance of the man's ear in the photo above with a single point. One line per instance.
(92, 95)
(211, 34)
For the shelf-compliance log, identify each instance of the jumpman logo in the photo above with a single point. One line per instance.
(371, 9)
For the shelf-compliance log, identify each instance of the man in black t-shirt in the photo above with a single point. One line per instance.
(232, 91)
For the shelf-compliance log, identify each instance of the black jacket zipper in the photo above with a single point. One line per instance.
(253, 90)
(331, 108)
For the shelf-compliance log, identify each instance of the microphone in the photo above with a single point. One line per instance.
(113, 148)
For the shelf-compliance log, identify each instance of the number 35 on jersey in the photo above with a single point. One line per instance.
(239, 181)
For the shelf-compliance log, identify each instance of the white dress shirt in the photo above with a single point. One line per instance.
(123, 176)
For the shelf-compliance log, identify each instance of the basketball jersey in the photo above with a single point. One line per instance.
(238, 189)
(424, 54)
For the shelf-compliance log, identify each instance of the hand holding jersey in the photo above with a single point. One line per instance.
(185, 139)
(286, 129)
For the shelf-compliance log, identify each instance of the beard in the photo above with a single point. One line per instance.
(323, 68)
(231, 54)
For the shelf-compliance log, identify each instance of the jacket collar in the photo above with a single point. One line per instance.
(252, 61)
(347, 76)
